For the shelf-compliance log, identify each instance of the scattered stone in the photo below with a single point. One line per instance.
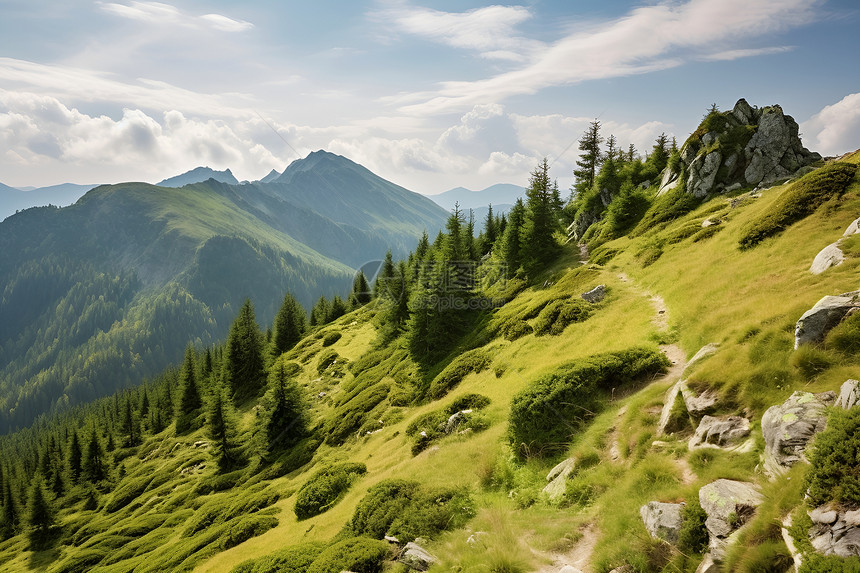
(729, 505)
(835, 531)
(673, 416)
(829, 256)
(709, 223)
(698, 404)
(416, 557)
(557, 478)
(720, 432)
(391, 539)
(849, 395)
(824, 316)
(595, 295)
(455, 420)
(789, 427)
(853, 228)
(662, 520)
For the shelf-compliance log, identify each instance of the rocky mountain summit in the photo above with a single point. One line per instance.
(745, 147)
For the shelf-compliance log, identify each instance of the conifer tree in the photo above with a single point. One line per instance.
(75, 458)
(320, 312)
(190, 401)
(9, 519)
(290, 325)
(94, 466)
(287, 422)
(337, 309)
(490, 231)
(243, 371)
(511, 243)
(382, 286)
(590, 158)
(220, 427)
(361, 294)
(538, 243)
(128, 426)
(41, 516)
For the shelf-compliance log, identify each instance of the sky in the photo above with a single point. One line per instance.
(430, 95)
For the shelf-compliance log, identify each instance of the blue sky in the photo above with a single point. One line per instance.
(430, 95)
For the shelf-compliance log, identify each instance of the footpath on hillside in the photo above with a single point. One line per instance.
(578, 558)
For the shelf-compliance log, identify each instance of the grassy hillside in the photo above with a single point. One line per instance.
(477, 499)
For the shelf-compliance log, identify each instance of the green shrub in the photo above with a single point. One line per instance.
(557, 315)
(325, 488)
(682, 232)
(834, 474)
(625, 210)
(845, 338)
(514, 328)
(475, 361)
(667, 207)
(468, 402)
(707, 233)
(815, 563)
(602, 255)
(129, 490)
(546, 415)
(348, 418)
(357, 554)
(801, 199)
(295, 559)
(294, 458)
(81, 561)
(326, 359)
(245, 528)
(693, 536)
(650, 251)
(427, 428)
(406, 510)
(331, 337)
(767, 557)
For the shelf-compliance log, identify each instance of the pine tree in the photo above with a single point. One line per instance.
(41, 516)
(337, 309)
(537, 235)
(220, 427)
(243, 372)
(383, 289)
(286, 423)
(590, 158)
(75, 458)
(511, 245)
(94, 467)
(490, 230)
(190, 401)
(128, 425)
(9, 519)
(320, 312)
(361, 294)
(290, 325)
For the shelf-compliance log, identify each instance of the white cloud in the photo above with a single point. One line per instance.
(835, 129)
(728, 55)
(490, 31)
(647, 39)
(163, 14)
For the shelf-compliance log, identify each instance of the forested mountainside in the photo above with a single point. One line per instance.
(653, 398)
(104, 293)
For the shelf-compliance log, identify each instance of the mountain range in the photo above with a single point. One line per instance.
(101, 294)
(12, 199)
(198, 175)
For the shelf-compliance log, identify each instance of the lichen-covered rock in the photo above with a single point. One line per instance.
(729, 505)
(823, 317)
(662, 520)
(595, 295)
(849, 395)
(416, 557)
(557, 478)
(835, 531)
(789, 427)
(675, 415)
(720, 432)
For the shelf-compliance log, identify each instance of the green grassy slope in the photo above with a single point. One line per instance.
(711, 291)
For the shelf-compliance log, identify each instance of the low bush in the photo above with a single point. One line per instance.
(472, 361)
(129, 490)
(326, 359)
(324, 488)
(693, 536)
(845, 338)
(667, 207)
(245, 528)
(815, 563)
(546, 414)
(514, 328)
(331, 337)
(406, 510)
(650, 251)
(294, 559)
(801, 199)
(557, 315)
(357, 554)
(81, 561)
(833, 472)
(348, 417)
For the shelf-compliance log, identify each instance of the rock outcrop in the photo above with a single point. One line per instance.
(849, 395)
(595, 295)
(557, 478)
(835, 531)
(745, 147)
(832, 255)
(681, 401)
(824, 316)
(662, 520)
(789, 427)
(729, 505)
(720, 432)
(416, 557)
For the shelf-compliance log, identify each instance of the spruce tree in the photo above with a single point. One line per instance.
(190, 401)
(41, 516)
(537, 235)
(511, 243)
(490, 230)
(95, 466)
(382, 286)
(9, 519)
(128, 425)
(361, 294)
(337, 309)
(75, 458)
(243, 370)
(220, 427)
(320, 312)
(287, 422)
(290, 325)
(590, 158)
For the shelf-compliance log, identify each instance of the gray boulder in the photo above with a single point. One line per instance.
(823, 317)
(662, 520)
(703, 173)
(681, 401)
(849, 395)
(698, 403)
(456, 420)
(707, 565)
(789, 427)
(595, 295)
(829, 256)
(729, 505)
(835, 531)
(416, 557)
(720, 432)
(557, 478)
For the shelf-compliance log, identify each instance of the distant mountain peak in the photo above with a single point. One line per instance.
(273, 174)
(198, 175)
